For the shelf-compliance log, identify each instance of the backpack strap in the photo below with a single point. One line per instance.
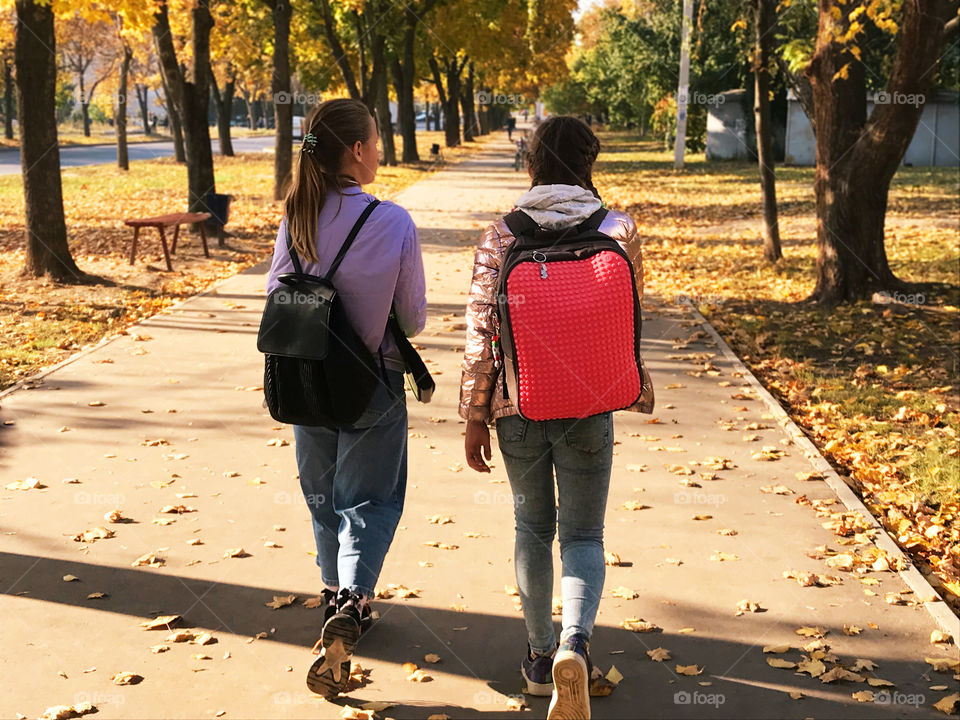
(351, 236)
(520, 224)
(293, 253)
(593, 222)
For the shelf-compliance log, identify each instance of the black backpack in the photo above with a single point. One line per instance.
(318, 371)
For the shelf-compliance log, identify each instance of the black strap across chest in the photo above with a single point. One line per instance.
(351, 236)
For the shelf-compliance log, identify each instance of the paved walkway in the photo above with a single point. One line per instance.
(171, 414)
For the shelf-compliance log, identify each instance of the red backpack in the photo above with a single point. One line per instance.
(569, 321)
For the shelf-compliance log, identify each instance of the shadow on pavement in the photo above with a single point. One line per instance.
(488, 647)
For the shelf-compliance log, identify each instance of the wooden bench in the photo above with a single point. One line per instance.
(161, 222)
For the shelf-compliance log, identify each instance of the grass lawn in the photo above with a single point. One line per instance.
(42, 322)
(873, 384)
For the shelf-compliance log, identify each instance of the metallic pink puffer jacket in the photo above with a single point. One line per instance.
(481, 386)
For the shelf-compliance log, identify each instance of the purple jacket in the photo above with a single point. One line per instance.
(383, 266)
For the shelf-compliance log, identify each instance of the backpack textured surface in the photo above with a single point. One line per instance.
(570, 323)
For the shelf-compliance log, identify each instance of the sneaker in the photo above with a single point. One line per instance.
(330, 673)
(537, 673)
(328, 599)
(571, 680)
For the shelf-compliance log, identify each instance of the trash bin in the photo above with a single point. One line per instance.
(218, 205)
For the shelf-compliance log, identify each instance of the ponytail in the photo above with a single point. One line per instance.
(332, 127)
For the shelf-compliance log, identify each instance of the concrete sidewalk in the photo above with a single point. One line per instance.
(170, 415)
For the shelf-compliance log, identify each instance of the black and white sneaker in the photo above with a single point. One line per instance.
(330, 673)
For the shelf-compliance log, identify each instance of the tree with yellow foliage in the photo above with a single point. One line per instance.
(858, 155)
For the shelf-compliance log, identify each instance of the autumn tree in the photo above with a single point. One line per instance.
(47, 252)
(188, 96)
(857, 155)
(405, 76)
(88, 47)
(144, 74)
(356, 36)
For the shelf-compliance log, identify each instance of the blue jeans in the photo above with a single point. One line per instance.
(354, 480)
(581, 452)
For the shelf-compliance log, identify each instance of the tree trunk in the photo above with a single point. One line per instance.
(765, 20)
(120, 119)
(173, 117)
(143, 97)
(856, 156)
(8, 95)
(47, 252)
(84, 107)
(283, 111)
(405, 76)
(382, 103)
(224, 106)
(467, 106)
(406, 111)
(191, 97)
(449, 98)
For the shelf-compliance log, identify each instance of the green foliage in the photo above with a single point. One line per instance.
(628, 66)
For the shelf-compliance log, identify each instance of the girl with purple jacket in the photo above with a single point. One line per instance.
(353, 478)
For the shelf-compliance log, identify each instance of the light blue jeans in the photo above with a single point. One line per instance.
(354, 480)
(581, 452)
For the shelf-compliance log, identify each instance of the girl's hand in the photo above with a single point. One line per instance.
(477, 440)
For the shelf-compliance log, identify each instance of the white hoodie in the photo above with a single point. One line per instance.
(558, 206)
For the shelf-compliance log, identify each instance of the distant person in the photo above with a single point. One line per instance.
(579, 452)
(526, 115)
(511, 126)
(589, 120)
(353, 478)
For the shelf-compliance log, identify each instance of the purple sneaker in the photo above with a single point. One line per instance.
(537, 673)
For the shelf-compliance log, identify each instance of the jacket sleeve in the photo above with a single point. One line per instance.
(479, 374)
(410, 298)
(633, 246)
(281, 258)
